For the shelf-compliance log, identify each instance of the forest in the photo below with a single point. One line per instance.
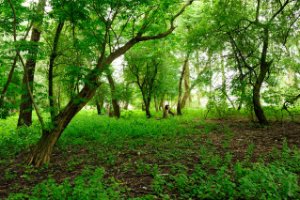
(149, 99)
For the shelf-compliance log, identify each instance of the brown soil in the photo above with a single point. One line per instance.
(240, 135)
(264, 139)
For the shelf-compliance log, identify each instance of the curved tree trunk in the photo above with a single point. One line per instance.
(53, 108)
(264, 67)
(42, 151)
(25, 116)
(256, 102)
(185, 65)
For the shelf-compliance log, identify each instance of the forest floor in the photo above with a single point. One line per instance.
(134, 161)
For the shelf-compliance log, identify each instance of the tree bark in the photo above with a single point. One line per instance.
(114, 100)
(53, 108)
(42, 152)
(264, 67)
(147, 108)
(187, 89)
(185, 64)
(25, 116)
(99, 105)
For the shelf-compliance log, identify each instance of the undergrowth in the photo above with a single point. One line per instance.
(169, 151)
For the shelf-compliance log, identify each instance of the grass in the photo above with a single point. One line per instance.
(137, 158)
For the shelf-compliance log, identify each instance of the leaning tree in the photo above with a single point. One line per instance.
(123, 24)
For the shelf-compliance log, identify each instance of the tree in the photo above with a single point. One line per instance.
(250, 30)
(184, 73)
(138, 28)
(25, 116)
(144, 70)
(114, 98)
(266, 23)
(15, 29)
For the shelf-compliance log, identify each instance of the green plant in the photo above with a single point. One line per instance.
(89, 185)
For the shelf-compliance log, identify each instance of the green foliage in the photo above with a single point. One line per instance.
(267, 182)
(12, 140)
(254, 181)
(89, 185)
(158, 149)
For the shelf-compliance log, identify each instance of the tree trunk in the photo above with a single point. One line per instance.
(25, 116)
(59, 97)
(116, 108)
(180, 84)
(42, 152)
(165, 112)
(256, 99)
(99, 107)
(185, 98)
(53, 108)
(147, 108)
(187, 89)
(114, 99)
(264, 67)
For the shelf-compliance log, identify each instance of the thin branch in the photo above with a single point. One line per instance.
(25, 69)
(257, 11)
(279, 11)
(138, 38)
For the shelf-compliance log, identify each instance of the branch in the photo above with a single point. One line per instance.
(139, 38)
(257, 11)
(240, 53)
(279, 11)
(24, 67)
